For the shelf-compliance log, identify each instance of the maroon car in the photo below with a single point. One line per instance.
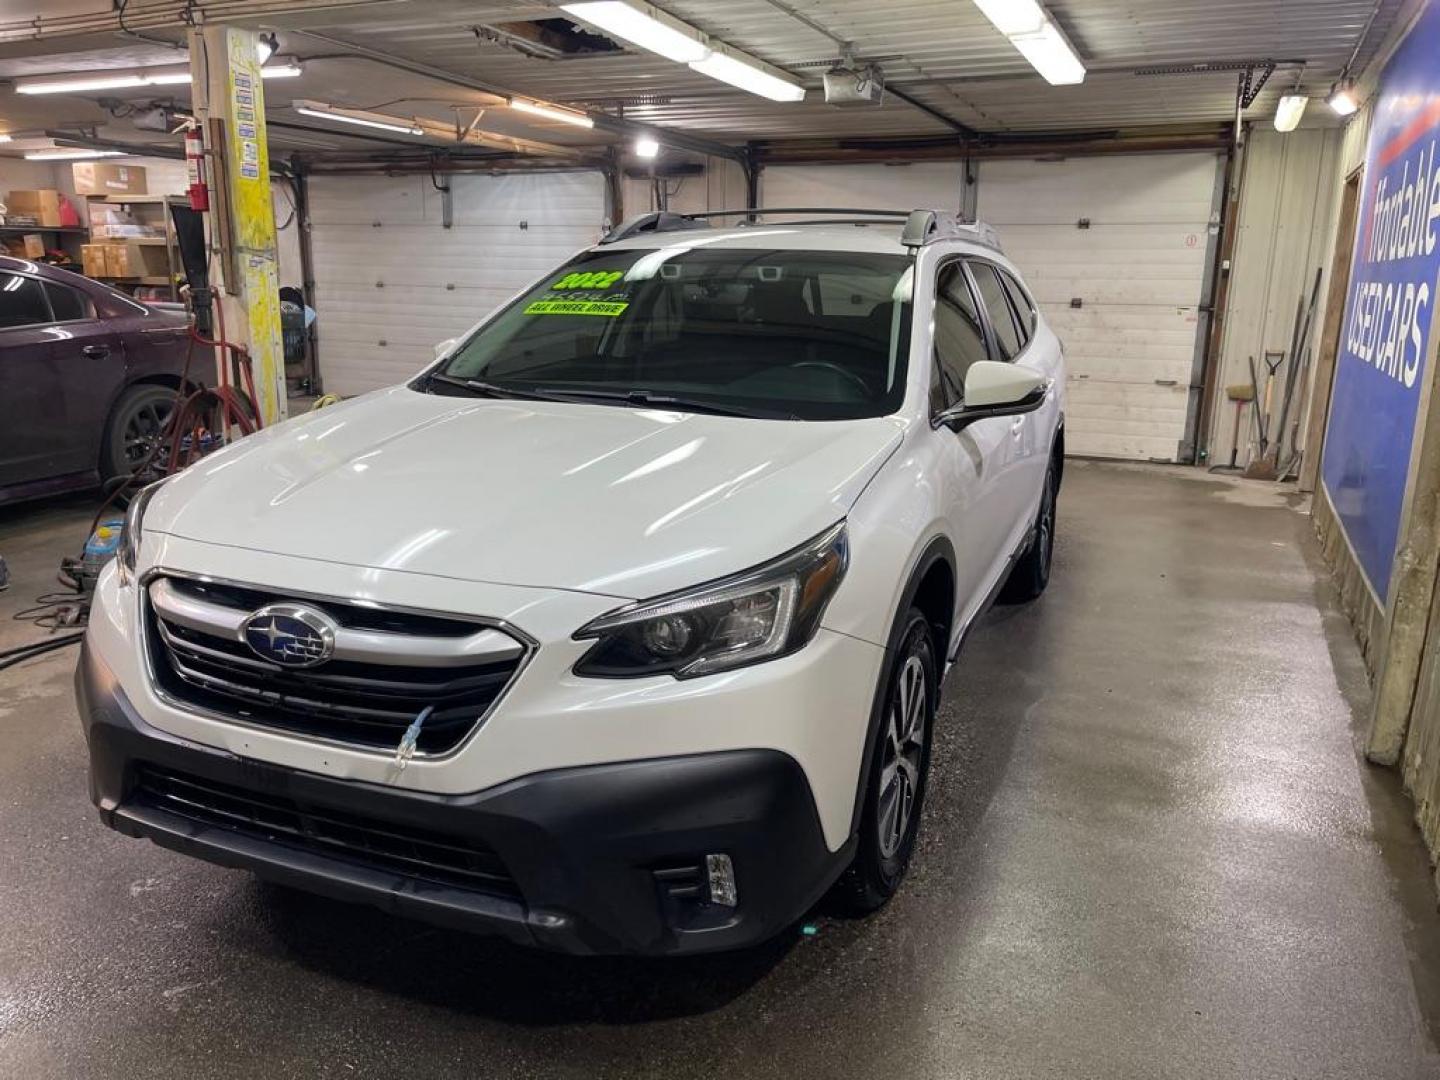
(87, 379)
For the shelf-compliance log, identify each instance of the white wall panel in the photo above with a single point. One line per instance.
(391, 281)
(1126, 237)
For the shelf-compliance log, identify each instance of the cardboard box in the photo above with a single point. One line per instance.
(41, 207)
(136, 260)
(103, 178)
(33, 245)
(93, 261)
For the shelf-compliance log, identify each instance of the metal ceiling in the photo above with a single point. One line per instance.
(943, 54)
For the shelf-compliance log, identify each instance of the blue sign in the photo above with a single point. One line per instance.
(1394, 276)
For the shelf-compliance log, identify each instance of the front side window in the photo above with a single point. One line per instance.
(22, 301)
(813, 335)
(959, 336)
(1007, 337)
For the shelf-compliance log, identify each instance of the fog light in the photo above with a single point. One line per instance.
(721, 872)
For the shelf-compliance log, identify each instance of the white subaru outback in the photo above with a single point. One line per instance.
(621, 628)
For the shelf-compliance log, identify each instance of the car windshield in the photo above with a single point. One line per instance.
(811, 335)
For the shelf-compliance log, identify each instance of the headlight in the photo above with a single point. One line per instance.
(130, 538)
(760, 614)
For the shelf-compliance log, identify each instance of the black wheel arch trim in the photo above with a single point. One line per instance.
(938, 550)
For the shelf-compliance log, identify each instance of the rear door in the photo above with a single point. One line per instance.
(32, 401)
(88, 358)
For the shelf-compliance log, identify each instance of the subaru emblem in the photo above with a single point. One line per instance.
(291, 635)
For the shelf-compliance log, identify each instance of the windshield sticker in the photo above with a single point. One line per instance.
(594, 279)
(607, 308)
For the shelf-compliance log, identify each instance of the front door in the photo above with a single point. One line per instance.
(33, 436)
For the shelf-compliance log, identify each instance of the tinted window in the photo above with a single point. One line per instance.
(993, 295)
(959, 337)
(68, 304)
(817, 335)
(1021, 299)
(22, 302)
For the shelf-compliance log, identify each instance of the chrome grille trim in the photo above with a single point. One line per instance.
(496, 644)
(368, 646)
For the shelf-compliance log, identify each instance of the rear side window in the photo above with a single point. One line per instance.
(68, 304)
(1021, 299)
(22, 301)
(992, 294)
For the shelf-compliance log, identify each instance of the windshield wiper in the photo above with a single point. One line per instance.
(480, 388)
(644, 399)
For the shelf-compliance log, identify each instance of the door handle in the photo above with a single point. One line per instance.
(96, 352)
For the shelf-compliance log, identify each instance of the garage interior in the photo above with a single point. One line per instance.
(1184, 812)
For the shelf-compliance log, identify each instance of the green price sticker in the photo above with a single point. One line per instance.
(594, 279)
(607, 308)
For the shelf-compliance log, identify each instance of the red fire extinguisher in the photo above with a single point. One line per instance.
(195, 169)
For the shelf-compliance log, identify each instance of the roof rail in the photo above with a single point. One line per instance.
(925, 226)
(921, 227)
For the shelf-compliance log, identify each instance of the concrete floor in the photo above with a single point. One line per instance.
(1150, 851)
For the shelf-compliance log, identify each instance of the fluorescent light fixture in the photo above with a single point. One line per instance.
(749, 75)
(4, 138)
(170, 75)
(357, 116)
(1037, 37)
(645, 26)
(1013, 16)
(646, 147)
(1342, 98)
(76, 84)
(565, 116)
(1050, 54)
(174, 77)
(78, 154)
(1289, 111)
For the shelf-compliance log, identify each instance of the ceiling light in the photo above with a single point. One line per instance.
(1289, 111)
(646, 147)
(357, 116)
(4, 138)
(286, 69)
(643, 25)
(265, 46)
(166, 78)
(1342, 98)
(565, 116)
(1039, 40)
(74, 84)
(70, 155)
(749, 75)
(1013, 16)
(1050, 54)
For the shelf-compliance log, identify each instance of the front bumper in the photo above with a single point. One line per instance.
(595, 856)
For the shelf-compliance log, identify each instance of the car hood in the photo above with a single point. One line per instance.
(597, 498)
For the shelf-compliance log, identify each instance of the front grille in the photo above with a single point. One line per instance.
(389, 667)
(414, 853)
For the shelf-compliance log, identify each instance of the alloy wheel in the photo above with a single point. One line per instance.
(903, 754)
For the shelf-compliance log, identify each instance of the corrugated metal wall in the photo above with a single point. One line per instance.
(1286, 227)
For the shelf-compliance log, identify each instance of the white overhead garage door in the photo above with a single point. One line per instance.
(391, 281)
(1115, 250)
(934, 185)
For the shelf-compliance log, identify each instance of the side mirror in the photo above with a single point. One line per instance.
(443, 347)
(995, 389)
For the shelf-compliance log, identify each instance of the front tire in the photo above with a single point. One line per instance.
(899, 767)
(1031, 573)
